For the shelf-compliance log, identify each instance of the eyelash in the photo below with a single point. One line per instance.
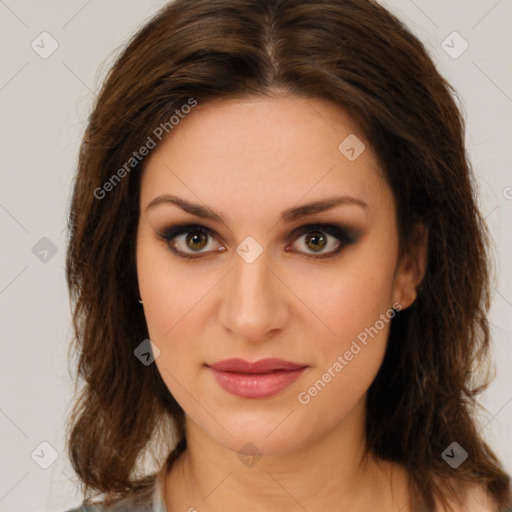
(337, 232)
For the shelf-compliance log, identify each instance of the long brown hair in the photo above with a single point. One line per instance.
(363, 59)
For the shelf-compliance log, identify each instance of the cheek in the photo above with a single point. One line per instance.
(175, 307)
(354, 297)
(360, 314)
(355, 302)
(170, 291)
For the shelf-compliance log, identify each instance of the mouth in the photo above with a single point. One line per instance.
(259, 379)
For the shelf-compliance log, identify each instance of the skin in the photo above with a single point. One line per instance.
(249, 160)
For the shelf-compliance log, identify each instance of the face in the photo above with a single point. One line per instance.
(224, 274)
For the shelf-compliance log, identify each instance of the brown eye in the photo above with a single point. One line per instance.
(196, 240)
(316, 241)
(326, 240)
(193, 241)
(190, 241)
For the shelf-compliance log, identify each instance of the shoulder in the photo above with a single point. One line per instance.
(84, 509)
(124, 506)
(130, 504)
(145, 498)
(90, 508)
(104, 508)
(476, 499)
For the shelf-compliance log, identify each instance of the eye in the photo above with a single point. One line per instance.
(319, 236)
(185, 240)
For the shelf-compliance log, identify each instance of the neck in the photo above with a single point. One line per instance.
(333, 472)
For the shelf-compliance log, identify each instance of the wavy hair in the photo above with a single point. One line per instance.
(360, 57)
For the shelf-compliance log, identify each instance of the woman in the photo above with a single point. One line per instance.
(279, 270)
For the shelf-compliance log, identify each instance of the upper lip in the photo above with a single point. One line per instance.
(261, 366)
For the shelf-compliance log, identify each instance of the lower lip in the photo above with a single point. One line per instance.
(256, 385)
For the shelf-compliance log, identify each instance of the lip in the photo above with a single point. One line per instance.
(259, 379)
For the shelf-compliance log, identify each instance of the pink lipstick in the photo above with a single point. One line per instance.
(260, 379)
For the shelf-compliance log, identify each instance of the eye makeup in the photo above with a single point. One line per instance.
(342, 237)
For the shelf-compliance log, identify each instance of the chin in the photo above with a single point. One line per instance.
(260, 434)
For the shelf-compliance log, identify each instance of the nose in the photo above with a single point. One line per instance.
(254, 302)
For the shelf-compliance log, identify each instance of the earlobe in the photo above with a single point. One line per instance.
(411, 268)
(404, 296)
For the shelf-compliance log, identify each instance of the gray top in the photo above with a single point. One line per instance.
(150, 501)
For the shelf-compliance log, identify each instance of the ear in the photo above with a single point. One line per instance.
(411, 268)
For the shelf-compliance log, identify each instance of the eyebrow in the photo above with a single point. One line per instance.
(288, 215)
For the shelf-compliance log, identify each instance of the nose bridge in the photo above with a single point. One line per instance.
(253, 303)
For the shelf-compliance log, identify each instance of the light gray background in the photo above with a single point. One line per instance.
(44, 104)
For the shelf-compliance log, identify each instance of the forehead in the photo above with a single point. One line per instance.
(261, 152)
